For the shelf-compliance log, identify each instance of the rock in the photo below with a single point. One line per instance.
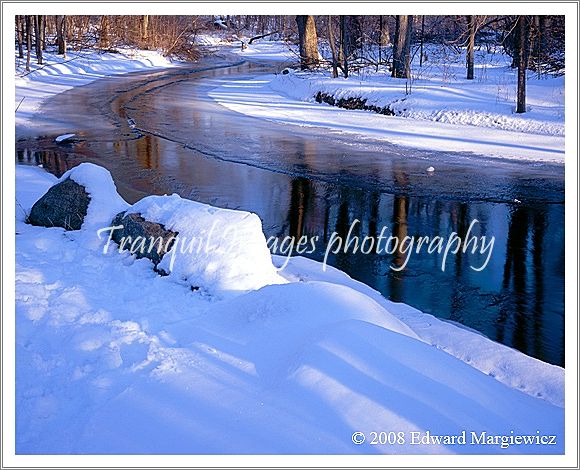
(143, 238)
(353, 103)
(64, 205)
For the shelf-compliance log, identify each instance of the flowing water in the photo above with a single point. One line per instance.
(307, 181)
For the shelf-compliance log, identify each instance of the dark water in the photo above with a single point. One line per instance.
(315, 183)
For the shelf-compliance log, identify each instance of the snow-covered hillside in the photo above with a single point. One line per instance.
(113, 358)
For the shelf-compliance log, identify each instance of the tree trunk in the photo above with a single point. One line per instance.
(332, 43)
(343, 36)
(68, 30)
(396, 52)
(145, 30)
(60, 34)
(402, 52)
(380, 38)
(37, 41)
(28, 21)
(521, 31)
(308, 41)
(19, 36)
(422, 40)
(104, 35)
(384, 38)
(540, 23)
(43, 32)
(353, 38)
(470, 46)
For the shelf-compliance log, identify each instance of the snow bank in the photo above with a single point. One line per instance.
(281, 318)
(219, 250)
(209, 40)
(298, 368)
(31, 183)
(112, 358)
(461, 102)
(507, 365)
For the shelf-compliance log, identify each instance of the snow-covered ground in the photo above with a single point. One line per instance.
(59, 74)
(113, 358)
(278, 51)
(444, 111)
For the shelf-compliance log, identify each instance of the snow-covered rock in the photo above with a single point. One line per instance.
(105, 200)
(142, 238)
(64, 205)
(85, 196)
(220, 251)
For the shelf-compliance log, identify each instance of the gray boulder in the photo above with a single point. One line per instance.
(143, 238)
(64, 205)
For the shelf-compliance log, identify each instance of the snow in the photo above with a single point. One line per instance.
(221, 251)
(105, 201)
(207, 40)
(505, 364)
(64, 137)
(262, 49)
(59, 74)
(443, 111)
(113, 358)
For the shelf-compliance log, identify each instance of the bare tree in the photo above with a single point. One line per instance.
(522, 40)
(352, 35)
(402, 47)
(537, 45)
(332, 43)
(470, 46)
(145, 30)
(308, 41)
(343, 40)
(28, 21)
(61, 34)
(396, 51)
(42, 20)
(384, 36)
(104, 34)
(422, 40)
(19, 38)
(37, 40)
